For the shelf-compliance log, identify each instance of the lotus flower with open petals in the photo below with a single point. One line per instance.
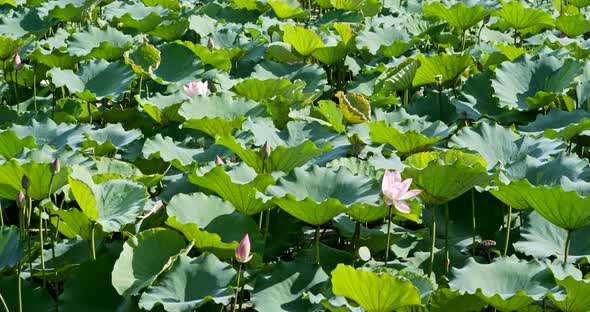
(397, 191)
(195, 88)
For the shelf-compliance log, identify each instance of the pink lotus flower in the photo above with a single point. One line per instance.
(218, 160)
(195, 88)
(21, 200)
(16, 61)
(243, 251)
(397, 191)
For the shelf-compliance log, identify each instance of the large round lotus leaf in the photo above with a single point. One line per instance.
(378, 292)
(496, 143)
(288, 9)
(316, 196)
(10, 246)
(135, 15)
(239, 186)
(108, 43)
(572, 25)
(449, 66)
(519, 81)
(577, 298)
(50, 133)
(90, 288)
(8, 46)
(567, 209)
(203, 219)
(143, 59)
(409, 136)
(397, 78)
(445, 175)
(143, 258)
(558, 123)
(520, 17)
(191, 283)
(182, 156)
(507, 284)
(313, 74)
(459, 15)
(303, 40)
(34, 297)
(282, 288)
(541, 239)
(445, 300)
(113, 204)
(11, 144)
(11, 174)
(178, 64)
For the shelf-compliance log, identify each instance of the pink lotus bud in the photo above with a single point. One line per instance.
(55, 167)
(210, 44)
(16, 61)
(195, 88)
(25, 182)
(218, 160)
(21, 200)
(562, 35)
(266, 150)
(243, 251)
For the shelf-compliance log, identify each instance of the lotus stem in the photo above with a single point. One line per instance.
(54, 261)
(20, 288)
(35, 87)
(14, 83)
(237, 290)
(388, 235)
(4, 303)
(267, 224)
(568, 242)
(92, 241)
(140, 81)
(473, 221)
(433, 234)
(89, 113)
(447, 233)
(42, 242)
(317, 245)
(508, 227)
(1, 217)
(356, 236)
(464, 36)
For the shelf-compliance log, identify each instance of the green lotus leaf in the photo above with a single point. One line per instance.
(9, 46)
(397, 78)
(507, 284)
(178, 63)
(92, 278)
(449, 66)
(572, 25)
(258, 90)
(168, 4)
(303, 40)
(94, 79)
(74, 223)
(250, 5)
(216, 58)
(330, 55)
(10, 247)
(577, 298)
(144, 59)
(282, 158)
(459, 15)
(389, 42)
(171, 29)
(558, 123)
(445, 175)
(11, 174)
(113, 204)
(163, 108)
(110, 168)
(538, 173)
(579, 3)
(282, 288)
(110, 138)
(108, 44)
(177, 154)
(519, 17)
(411, 137)
(333, 304)
(239, 186)
(445, 300)
(66, 10)
(541, 239)
(354, 107)
(498, 144)
(287, 9)
(25, 21)
(37, 298)
(347, 5)
(11, 144)
(135, 15)
(540, 73)
(380, 292)
(281, 52)
(69, 254)
(313, 74)
(144, 257)
(332, 114)
(566, 209)
(190, 283)
(318, 195)
(201, 218)
(55, 58)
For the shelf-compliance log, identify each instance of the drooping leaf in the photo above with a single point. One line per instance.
(449, 66)
(303, 40)
(354, 107)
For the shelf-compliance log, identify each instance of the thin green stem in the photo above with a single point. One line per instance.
(447, 233)
(473, 221)
(267, 224)
(89, 113)
(15, 83)
(508, 227)
(92, 241)
(140, 82)
(237, 289)
(433, 234)
(568, 242)
(20, 288)
(1, 216)
(35, 87)
(387, 246)
(317, 245)
(42, 242)
(356, 236)
(54, 262)
(4, 303)
(28, 230)
(464, 37)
